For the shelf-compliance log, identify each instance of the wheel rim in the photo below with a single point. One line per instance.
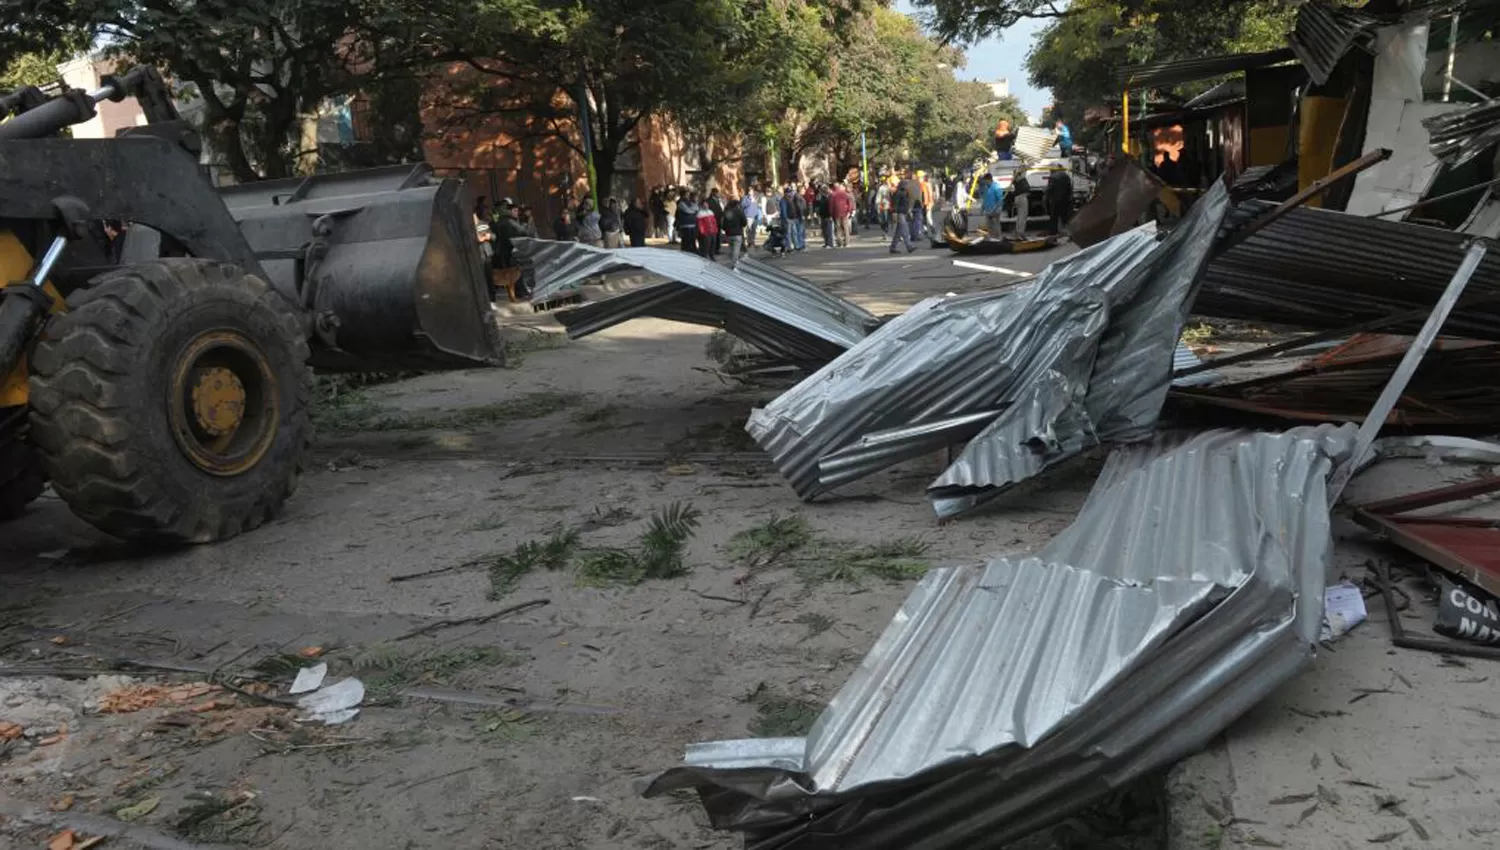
(224, 406)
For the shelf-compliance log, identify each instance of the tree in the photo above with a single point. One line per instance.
(617, 62)
(1077, 56)
(261, 67)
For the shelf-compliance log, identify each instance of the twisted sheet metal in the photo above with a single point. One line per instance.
(944, 358)
(1320, 269)
(1124, 383)
(782, 314)
(998, 700)
(1082, 353)
(1459, 136)
(1178, 71)
(1324, 33)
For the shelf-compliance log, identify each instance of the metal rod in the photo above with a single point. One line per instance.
(1424, 202)
(1317, 187)
(1466, 87)
(1452, 54)
(43, 268)
(1322, 336)
(1400, 639)
(1375, 420)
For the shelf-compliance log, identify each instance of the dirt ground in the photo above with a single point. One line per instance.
(530, 730)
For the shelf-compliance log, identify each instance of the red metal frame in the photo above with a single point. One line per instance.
(1468, 547)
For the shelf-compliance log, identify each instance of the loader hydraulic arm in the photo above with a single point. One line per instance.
(40, 120)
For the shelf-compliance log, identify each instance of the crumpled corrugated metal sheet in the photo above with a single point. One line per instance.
(1324, 33)
(1324, 270)
(1032, 143)
(1081, 353)
(1459, 136)
(1176, 71)
(774, 310)
(998, 700)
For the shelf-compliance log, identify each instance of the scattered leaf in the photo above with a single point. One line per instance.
(1465, 773)
(50, 740)
(1307, 813)
(90, 842)
(1385, 837)
(1316, 761)
(1482, 712)
(60, 640)
(1436, 777)
(62, 804)
(1261, 841)
(1292, 798)
(10, 731)
(1472, 680)
(310, 651)
(1405, 681)
(1477, 831)
(1361, 783)
(1328, 795)
(1416, 826)
(1338, 760)
(138, 810)
(61, 841)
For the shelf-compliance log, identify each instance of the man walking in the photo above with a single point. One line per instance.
(841, 208)
(636, 223)
(927, 203)
(793, 211)
(901, 207)
(735, 222)
(750, 206)
(992, 204)
(1020, 192)
(825, 216)
(913, 189)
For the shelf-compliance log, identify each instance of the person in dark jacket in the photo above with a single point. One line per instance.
(1059, 198)
(793, 212)
(825, 217)
(901, 207)
(686, 223)
(564, 229)
(659, 223)
(610, 226)
(735, 222)
(636, 221)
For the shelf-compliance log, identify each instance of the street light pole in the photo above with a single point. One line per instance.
(864, 160)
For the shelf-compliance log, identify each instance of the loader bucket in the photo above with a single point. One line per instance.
(386, 261)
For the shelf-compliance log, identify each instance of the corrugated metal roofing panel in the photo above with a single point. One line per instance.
(1463, 134)
(1188, 588)
(1188, 70)
(778, 311)
(1324, 33)
(1115, 394)
(1032, 143)
(1323, 269)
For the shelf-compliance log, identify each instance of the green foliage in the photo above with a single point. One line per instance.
(657, 554)
(790, 541)
(31, 69)
(387, 669)
(1077, 55)
(770, 542)
(550, 554)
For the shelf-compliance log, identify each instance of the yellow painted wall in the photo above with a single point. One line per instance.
(1317, 140)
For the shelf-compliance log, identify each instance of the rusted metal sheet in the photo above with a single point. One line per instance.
(1458, 383)
(1468, 547)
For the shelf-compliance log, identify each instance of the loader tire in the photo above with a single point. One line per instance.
(22, 478)
(172, 401)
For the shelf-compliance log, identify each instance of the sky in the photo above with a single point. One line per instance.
(1003, 56)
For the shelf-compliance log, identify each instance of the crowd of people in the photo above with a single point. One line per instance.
(712, 223)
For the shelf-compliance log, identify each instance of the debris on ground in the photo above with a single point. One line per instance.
(1135, 556)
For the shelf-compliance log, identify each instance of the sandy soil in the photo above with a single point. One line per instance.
(598, 688)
